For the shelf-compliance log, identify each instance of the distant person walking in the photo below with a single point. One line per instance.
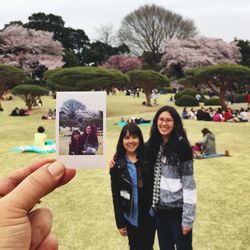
(248, 99)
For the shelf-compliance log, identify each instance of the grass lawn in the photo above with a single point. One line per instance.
(83, 210)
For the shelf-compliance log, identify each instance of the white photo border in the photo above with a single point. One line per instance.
(94, 100)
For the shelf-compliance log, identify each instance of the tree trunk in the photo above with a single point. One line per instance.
(147, 92)
(222, 100)
(29, 107)
(222, 94)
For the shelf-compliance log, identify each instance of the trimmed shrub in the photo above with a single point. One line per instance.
(189, 92)
(186, 101)
(241, 98)
(205, 92)
(166, 90)
(212, 102)
(29, 93)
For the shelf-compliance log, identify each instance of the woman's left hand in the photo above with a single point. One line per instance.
(186, 230)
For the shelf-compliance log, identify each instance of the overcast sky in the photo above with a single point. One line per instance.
(224, 19)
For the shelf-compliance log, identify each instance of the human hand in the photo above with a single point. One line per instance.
(123, 231)
(186, 230)
(21, 228)
(112, 162)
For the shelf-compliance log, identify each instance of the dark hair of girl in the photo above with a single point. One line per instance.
(92, 138)
(132, 129)
(204, 131)
(40, 129)
(155, 138)
(75, 132)
(75, 146)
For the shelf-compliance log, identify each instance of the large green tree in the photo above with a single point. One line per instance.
(11, 76)
(73, 40)
(29, 93)
(148, 80)
(244, 46)
(85, 78)
(220, 78)
(98, 52)
(146, 28)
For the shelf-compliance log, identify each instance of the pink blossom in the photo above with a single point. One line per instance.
(123, 63)
(25, 48)
(198, 51)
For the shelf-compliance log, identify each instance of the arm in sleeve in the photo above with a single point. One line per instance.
(189, 194)
(203, 141)
(188, 184)
(120, 223)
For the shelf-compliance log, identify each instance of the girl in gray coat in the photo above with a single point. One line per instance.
(208, 142)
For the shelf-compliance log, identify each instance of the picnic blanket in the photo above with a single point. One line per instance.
(204, 156)
(49, 148)
(124, 123)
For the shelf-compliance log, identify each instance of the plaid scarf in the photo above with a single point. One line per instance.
(157, 179)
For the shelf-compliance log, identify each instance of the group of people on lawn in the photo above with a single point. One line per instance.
(218, 115)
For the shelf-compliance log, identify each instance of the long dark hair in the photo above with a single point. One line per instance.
(75, 146)
(75, 132)
(156, 139)
(204, 131)
(92, 137)
(132, 129)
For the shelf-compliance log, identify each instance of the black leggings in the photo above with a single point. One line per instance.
(142, 237)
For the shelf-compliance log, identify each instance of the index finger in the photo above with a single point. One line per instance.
(10, 182)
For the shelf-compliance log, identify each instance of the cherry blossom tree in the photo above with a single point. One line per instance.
(195, 52)
(123, 63)
(29, 49)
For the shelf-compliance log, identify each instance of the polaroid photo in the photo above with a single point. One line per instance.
(81, 129)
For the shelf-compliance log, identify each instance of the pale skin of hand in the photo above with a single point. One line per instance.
(186, 230)
(21, 228)
(123, 231)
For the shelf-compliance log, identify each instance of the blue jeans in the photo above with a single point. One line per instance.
(168, 225)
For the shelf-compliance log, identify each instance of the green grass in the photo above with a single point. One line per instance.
(83, 211)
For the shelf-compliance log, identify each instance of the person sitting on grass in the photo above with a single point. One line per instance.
(19, 112)
(75, 146)
(228, 116)
(208, 142)
(243, 115)
(50, 115)
(40, 137)
(185, 114)
(89, 141)
(208, 145)
(218, 117)
(15, 112)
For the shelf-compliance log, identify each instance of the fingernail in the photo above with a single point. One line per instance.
(56, 169)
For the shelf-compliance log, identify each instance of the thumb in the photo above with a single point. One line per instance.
(35, 186)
